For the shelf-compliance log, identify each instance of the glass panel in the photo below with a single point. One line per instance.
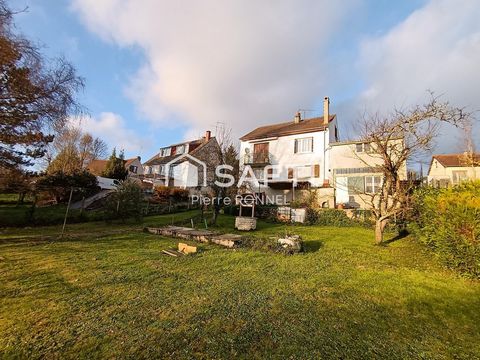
(355, 185)
(359, 147)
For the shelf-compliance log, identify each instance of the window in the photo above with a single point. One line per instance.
(258, 174)
(161, 170)
(356, 184)
(290, 173)
(181, 149)
(363, 147)
(165, 152)
(459, 176)
(372, 184)
(304, 145)
(133, 169)
(304, 172)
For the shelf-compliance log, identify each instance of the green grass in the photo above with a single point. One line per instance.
(107, 291)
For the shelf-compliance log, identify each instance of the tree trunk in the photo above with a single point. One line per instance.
(379, 230)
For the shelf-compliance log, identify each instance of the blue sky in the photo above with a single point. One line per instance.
(159, 72)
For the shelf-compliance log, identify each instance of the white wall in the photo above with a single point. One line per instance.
(438, 172)
(282, 154)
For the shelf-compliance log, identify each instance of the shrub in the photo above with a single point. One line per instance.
(267, 212)
(329, 217)
(127, 201)
(162, 193)
(179, 194)
(165, 193)
(448, 221)
(58, 185)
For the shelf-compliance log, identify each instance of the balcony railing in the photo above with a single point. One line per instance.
(261, 158)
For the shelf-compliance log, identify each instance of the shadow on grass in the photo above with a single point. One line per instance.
(312, 245)
(402, 234)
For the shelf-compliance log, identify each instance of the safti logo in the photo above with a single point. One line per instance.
(184, 171)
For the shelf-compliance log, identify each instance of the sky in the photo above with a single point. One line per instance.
(159, 72)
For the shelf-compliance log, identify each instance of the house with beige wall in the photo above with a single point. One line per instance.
(356, 172)
(451, 169)
(308, 155)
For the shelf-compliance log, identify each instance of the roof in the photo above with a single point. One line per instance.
(287, 128)
(194, 146)
(457, 160)
(98, 166)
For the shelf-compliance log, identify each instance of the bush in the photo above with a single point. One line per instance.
(329, 217)
(267, 212)
(165, 193)
(59, 184)
(127, 201)
(179, 194)
(448, 221)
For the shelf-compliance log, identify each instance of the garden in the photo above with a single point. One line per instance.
(106, 290)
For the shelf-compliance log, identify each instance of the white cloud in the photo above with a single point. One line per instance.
(438, 48)
(244, 63)
(111, 128)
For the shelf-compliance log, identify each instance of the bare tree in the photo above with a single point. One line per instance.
(72, 150)
(394, 140)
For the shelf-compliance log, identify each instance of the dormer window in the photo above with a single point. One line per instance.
(165, 152)
(181, 149)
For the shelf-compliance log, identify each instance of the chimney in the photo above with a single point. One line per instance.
(298, 117)
(326, 110)
(208, 135)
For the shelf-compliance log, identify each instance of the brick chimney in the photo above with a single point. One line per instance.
(208, 135)
(326, 110)
(297, 118)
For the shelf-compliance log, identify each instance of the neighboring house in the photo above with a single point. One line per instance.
(133, 165)
(298, 149)
(355, 172)
(190, 164)
(309, 155)
(452, 169)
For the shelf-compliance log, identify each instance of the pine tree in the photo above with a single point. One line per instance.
(35, 99)
(115, 168)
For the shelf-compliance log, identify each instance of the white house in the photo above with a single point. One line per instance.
(190, 164)
(452, 169)
(307, 154)
(295, 155)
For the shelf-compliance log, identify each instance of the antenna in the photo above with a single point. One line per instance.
(303, 111)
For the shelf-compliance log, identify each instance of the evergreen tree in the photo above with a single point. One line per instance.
(115, 168)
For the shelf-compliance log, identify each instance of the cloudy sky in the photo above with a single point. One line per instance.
(158, 72)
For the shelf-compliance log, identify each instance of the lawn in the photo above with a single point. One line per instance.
(107, 291)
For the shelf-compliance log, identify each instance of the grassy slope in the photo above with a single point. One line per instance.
(108, 291)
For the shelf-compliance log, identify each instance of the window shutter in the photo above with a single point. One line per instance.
(290, 173)
(296, 146)
(316, 170)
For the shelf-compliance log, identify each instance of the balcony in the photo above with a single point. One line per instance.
(260, 158)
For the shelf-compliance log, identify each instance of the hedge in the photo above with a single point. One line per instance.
(448, 221)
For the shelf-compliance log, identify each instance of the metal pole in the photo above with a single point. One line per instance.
(66, 212)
